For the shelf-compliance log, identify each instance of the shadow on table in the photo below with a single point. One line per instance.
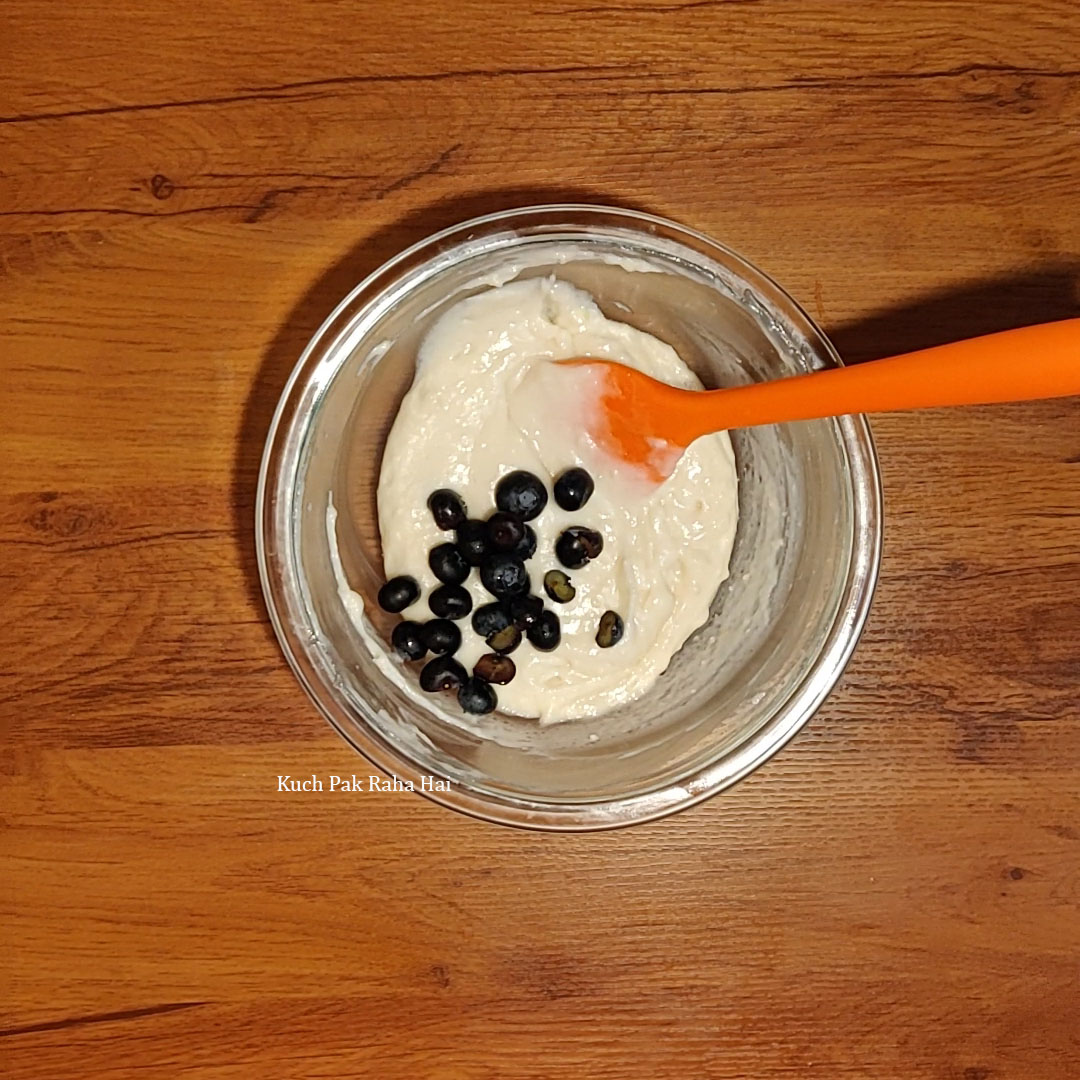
(315, 305)
(1041, 294)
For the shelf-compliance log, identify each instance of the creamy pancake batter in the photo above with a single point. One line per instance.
(484, 403)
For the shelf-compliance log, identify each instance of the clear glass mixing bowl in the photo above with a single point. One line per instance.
(781, 629)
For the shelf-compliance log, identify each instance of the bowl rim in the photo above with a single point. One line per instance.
(282, 587)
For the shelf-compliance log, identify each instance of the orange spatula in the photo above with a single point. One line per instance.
(648, 423)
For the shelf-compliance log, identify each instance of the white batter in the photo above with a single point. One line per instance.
(467, 420)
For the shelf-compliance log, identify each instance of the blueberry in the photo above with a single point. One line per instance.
(398, 593)
(505, 640)
(476, 696)
(495, 669)
(557, 586)
(527, 547)
(525, 610)
(577, 545)
(472, 541)
(442, 673)
(447, 508)
(448, 564)
(450, 602)
(491, 617)
(504, 576)
(611, 630)
(545, 634)
(504, 531)
(441, 636)
(522, 494)
(408, 640)
(573, 489)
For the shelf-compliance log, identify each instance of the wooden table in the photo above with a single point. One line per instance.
(185, 192)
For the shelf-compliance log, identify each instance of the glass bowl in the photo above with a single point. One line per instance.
(781, 628)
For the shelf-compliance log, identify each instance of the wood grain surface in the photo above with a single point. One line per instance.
(185, 192)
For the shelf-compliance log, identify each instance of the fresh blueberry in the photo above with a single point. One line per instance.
(450, 602)
(476, 696)
(573, 489)
(504, 576)
(408, 640)
(447, 508)
(442, 673)
(546, 633)
(493, 668)
(505, 640)
(398, 593)
(472, 541)
(610, 631)
(557, 586)
(504, 531)
(522, 494)
(441, 636)
(491, 617)
(525, 610)
(577, 545)
(448, 564)
(527, 547)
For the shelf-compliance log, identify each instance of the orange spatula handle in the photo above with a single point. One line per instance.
(1015, 365)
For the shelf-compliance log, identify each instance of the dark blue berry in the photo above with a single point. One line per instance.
(557, 586)
(504, 576)
(448, 564)
(450, 602)
(472, 541)
(491, 617)
(527, 547)
(398, 593)
(577, 545)
(476, 696)
(573, 489)
(610, 631)
(505, 640)
(522, 494)
(504, 531)
(546, 633)
(408, 641)
(442, 673)
(525, 610)
(441, 636)
(447, 508)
